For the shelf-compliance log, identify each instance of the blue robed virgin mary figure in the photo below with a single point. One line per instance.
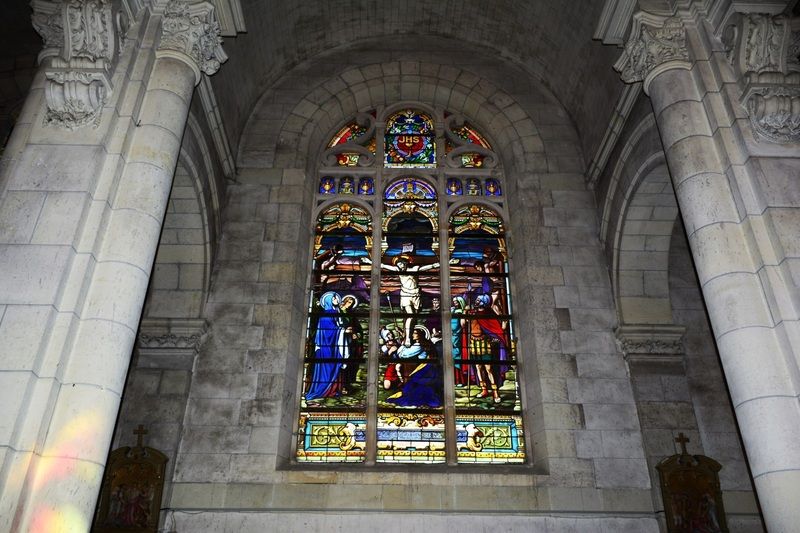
(331, 344)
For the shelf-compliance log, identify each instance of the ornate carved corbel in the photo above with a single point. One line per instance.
(763, 50)
(656, 44)
(80, 44)
(645, 344)
(191, 34)
(170, 342)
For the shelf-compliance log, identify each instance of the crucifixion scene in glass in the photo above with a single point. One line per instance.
(410, 352)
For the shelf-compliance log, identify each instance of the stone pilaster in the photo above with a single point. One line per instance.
(723, 194)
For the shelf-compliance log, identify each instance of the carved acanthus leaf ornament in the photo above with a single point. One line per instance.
(653, 45)
(192, 31)
(80, 46)
(765, 52)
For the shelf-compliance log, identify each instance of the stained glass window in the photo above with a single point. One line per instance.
(333, 407)
(409, 140)
(466, 135)
(411, 352)
(352, 135)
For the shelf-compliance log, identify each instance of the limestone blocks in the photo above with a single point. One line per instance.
(191, 34)
(80, 43)
(763, 50)
(655, 44)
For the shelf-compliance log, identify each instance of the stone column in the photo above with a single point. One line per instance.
(94, 163)
(744, 266)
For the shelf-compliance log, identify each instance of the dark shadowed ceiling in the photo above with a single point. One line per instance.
(550, 39)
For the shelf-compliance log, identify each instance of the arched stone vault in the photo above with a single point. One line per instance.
(638, 215)
(541, 37)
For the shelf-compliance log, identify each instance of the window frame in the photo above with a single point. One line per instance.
(437, 176)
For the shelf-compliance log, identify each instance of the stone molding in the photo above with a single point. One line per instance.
(651, 343)
(81, 45)
(763, 50)
(191, 34)
(656, 44)
(171, 334)
(614, 20)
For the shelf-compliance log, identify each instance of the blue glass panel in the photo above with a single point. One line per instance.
(492, 187)
(410, 189)
(454, 187)
(327, 185)
(366, 186)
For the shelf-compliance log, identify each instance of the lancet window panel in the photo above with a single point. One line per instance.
(410, 353)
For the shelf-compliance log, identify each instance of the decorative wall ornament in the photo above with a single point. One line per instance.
(89, 31)
(133, 483)
(48, 21)
(193, 32)
(774, 110)
(647, 344)
(652, 346)
(172, 334)
(80, 44)
(763, 50)
(655, 44)
(764, 44)
(74, 98)
(691, 492)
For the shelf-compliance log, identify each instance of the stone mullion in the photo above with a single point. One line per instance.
(448, 365)
(756, 357)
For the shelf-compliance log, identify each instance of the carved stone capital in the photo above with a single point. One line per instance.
(48, 21)
(763, 49)
(75, 98)
(79, 40)
(656, 44)
(762, 43)
(774, 109)
(191, 34)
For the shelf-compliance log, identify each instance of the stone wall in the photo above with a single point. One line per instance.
(240, 422)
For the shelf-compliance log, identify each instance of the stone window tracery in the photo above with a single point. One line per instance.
(410, 353)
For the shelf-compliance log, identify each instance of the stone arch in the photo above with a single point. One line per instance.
(638, 217)
(181, 274)
(642, 243)
(281, 136)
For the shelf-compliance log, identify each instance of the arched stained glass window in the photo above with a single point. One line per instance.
(411, 353)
